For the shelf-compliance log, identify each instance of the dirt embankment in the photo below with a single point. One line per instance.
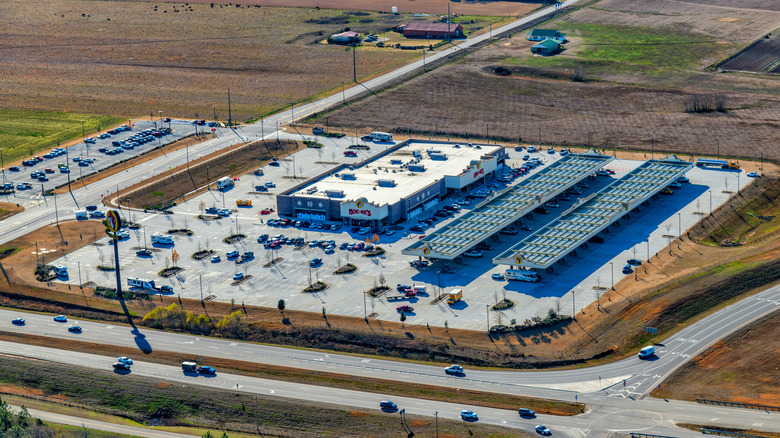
(8, 209)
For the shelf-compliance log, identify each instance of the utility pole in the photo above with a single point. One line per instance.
(343, 95)
(573, 307)
(201, 288)
(354, 63)
(487, 316)
(56, 214)
(292, 113)
(230, 113)
(2, 163)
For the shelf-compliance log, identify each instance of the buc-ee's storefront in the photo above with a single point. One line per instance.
(363, 213)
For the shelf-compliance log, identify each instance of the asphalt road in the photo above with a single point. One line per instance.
(614, 407)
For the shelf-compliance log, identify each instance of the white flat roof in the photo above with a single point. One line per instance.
(365, 184)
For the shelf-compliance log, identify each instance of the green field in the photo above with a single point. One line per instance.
(615, 48)
(25, 133)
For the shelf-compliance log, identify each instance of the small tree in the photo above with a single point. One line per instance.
(382, 280)
(280, 306)
(403, 318)
(446, 326)
(324, 315)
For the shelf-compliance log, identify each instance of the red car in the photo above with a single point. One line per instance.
(47, 170)
(267, 211)
(405, 309)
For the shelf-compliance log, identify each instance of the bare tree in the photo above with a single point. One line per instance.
(202, 207)
(382, 280)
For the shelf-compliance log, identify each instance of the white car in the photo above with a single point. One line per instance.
(473, 253)
(125, 360)
(753, 174)
(454, 369)
(497, 276)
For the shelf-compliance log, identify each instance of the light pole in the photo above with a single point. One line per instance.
(2, 163)
(292, 114)
(487, 316)
(573, 307)
(679, 226)
(343, 95)
(161, 123)
(612, 274)
(710, 192)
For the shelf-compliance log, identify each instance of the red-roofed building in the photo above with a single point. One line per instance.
(421, 29)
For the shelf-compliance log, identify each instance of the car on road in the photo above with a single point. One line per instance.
(753, 174)
(61, 318)
(274, 164)
(473, 253)
(454, 369)
(125, 360)
(525, 412)
(315, 262)
(206, 370)
(97, 214)
(119, 366)
(497, 276)
(48, 170)
(542, 430)
(634, 262)
(18, 321)
(238, 276)
(74, 329)
(388, 405)
(405, 309)
(14, 168)
(628, 269)
(143, 253)
(468, 415)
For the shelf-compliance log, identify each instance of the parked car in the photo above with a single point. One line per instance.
(454, 369)
(143, 253)
(231, 254)
(468, 415)
(753, 174)
(634, 262)
(596, 239)
(473, 253)
(14, 168)
(238, 276)
(315, 262)
(166, 289)
(628, 269)
(405, 309)
(497, 276)
(97, 214)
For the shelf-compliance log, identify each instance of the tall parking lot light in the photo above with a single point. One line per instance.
(612, 274)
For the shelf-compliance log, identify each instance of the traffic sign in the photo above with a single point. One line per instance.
(113, 221)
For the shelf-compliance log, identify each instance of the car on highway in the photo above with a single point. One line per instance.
(43, 178)
(74, 329)
(753, 174)
(238, 276)
(387, 405)
(454, 369)
(125, 360)
(542, 430)
(473, 253)
(48, 170)
(216, 259)
(119, 366)
(18, 321)
(497, 276)
(143, 253)
(405, 309)
(468, 415)
(97, 214)
(206, 370)
(628, 269)
(525, 412)
(61, 318)
(634, 262)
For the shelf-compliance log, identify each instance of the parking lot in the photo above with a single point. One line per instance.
(86, 158)
(649, 230)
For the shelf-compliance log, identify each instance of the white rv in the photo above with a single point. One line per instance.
(521, 275)
(162, 238)
(381, 136)
(141, 283)
(60, 271)
(224, 183)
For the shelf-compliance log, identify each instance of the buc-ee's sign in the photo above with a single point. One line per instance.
(361, 209)
(478, 173)
(355, 211)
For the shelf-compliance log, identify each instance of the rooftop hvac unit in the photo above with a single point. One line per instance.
(311, 190)
(334, 193)
(398, 162)
(438, 157)
(386, 183)
(433, 151)
(417, 168)
(416, 153)
(347, 175)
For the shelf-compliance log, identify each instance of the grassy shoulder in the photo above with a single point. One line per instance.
(333, 380)
(749, 432)
(167, 405)
(8, 209)
(25, 133)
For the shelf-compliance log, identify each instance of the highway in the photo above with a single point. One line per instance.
(613, 406)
